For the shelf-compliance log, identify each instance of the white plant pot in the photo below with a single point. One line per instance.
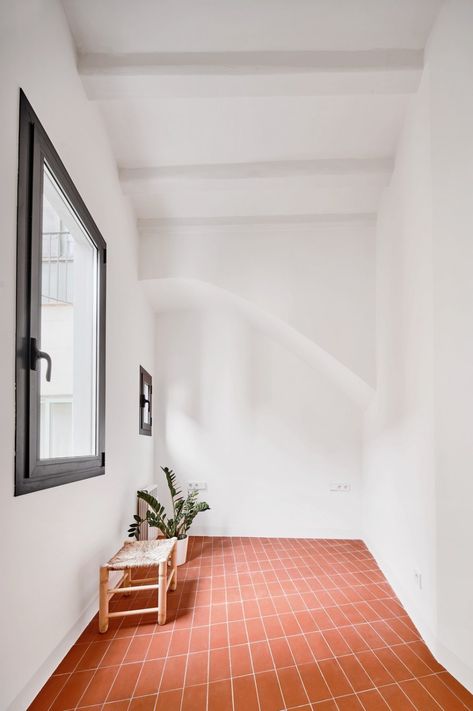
(181, 546)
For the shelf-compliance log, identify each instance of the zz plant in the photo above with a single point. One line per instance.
(184, 511)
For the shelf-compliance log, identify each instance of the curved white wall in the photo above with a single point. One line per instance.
(267, 431)
(317, 278)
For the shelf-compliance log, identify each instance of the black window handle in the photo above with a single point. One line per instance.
(38, 355)
(144, 401)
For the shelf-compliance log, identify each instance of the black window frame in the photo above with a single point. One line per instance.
(32, 473)
(146, 428)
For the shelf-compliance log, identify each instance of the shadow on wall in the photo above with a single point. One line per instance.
(268, 432)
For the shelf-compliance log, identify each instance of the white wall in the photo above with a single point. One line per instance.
(57, 538)
(268, 432)
(418, 444)
(317, 278)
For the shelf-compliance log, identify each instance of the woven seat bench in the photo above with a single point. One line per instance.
(139, 554)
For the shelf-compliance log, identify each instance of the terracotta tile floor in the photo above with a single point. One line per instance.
(260, 624)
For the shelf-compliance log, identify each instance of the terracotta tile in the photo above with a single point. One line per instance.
(273, 626)
(138, 649)
(255, 630)
(149, 678)
(292, 687)
(169, 700)
(290, 623)
(374, 668)
(218, 636)
(459, 690)
(72, 659)
(441, 693)
(159, 646)
(334, 677)
(114, 706)
(373, 701)
(179, 642)
(261, 656)
(240, 660)
(125, 682)
(244, 693)
(314, 683)
(349, 703)
(269, 692)
(115, 653)
(100, 685)
(92, 657)
(219, 664)
(355, 673)
(393, 664)
(199, 639)
(306, 621)
(325, 706)
(422, 651)
(411, 660)
(173, 673)
(48, 693)
(319, 646)
(194, 698)
(72, 690)
(322, 613)
(300, 649)
(419, 696)
(281, 652)
(396, 698)
(220, 696)
(197, 668)
(143, 703)
(354, 640)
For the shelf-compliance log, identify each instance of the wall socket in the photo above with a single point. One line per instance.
(196, 486)
(418, 578)
(340, 486)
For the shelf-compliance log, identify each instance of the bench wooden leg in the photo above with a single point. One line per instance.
(127, 582)
(173, 584)
(162, 592)
(103, 598)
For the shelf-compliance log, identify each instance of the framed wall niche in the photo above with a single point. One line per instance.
(146, 403)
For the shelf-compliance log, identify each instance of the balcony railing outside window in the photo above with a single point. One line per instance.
(57, 268)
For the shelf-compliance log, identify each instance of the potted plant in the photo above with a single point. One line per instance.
(184, 511)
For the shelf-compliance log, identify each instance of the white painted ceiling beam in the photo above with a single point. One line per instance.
(242, 223)
(148, 179)
(285, 73)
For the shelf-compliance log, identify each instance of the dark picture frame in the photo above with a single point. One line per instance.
(31, 472)
(146, 403)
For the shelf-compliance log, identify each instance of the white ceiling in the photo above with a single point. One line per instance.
(251, 108)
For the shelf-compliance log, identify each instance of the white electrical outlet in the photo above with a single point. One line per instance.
(340, 486)
(418, 578)
(196, 486)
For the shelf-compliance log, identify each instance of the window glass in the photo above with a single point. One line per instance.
(68, 326)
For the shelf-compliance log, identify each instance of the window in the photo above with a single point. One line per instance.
(146, 401)
(60, 362)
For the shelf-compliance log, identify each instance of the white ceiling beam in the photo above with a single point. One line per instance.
(148, 179)
(285, 73)
(237, 223)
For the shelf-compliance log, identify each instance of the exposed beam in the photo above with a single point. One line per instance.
(137, 180)
(284, 73)
(191, 225)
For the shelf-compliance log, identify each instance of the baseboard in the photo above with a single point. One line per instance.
(442, 654)
(37, 681)
(225, 531)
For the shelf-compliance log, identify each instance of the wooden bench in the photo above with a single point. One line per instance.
(138, 554)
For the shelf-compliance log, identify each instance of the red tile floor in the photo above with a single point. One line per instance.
(260, 624)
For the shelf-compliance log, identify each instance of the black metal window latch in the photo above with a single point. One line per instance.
(36, 354)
